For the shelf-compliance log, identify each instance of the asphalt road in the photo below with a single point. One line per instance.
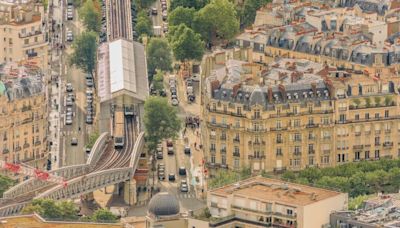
(74, 154)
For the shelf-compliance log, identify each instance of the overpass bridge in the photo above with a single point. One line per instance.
(105, 166)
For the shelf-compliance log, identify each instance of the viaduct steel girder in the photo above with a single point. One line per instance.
(81, 181)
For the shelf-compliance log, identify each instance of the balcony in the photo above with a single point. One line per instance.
(220, 125)
(212, 149)
(236, 154)
(18, 148)
(224, 166)
(377, 132)
(311, 125)
(279, 141)
(6, 151)
(326, 151)
(223, 150)
(288, 216)
(213, 137)
(29, 34)
(342, 109)
(32, 54)
(388, 131)
(223, 138)
(358, 147)
(236, 140)
(311, 151)
(388, 144)
(296, 153)
(279, 154)
(357, 133)
(279, 169)
(278, 128)
(38, 143)
(252, 157)
(26, 145)
(26, 108)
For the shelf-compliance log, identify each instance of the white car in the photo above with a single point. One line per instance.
(174, 102)
(70, 36)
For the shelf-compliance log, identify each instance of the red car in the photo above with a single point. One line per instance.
(169, 143)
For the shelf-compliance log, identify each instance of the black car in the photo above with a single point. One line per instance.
(161, 175)
(171, 177)
(186, 150)
(182, 171)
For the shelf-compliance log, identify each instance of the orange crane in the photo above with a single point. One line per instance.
(36, 173)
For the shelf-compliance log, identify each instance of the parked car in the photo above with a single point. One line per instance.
(171, 177)
(170, 150)
(69, 101)
(89, 82)
(89, 119)
(174, 102)
(182, 171)
(161, 176)
(154, 11)
(74, 141)
(184, 186)
(69, 36)
(69, 87)
(170, 143)
(187, 149)
(160, 155)
(68, 120)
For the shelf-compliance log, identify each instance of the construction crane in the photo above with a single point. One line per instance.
(36, 173)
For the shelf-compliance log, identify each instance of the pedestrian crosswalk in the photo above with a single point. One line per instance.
(66, 133)
(189, 195)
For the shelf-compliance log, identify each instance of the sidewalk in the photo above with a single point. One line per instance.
(55, 118)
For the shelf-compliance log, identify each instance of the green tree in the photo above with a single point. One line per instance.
(217, 19)
(377, 101)
(143, 4)
(181, 15)
(158, 81)
(84, 55)
(47, 208)
(160, 120)
(103, 215)
(90, 15)
(68, 210)
(249, 9)
(186, 44)
(143, 25)
(388, 100)
(224, 177)
(356, 203)
(196, 4)
(92, 139)
(159, 55)
(5, 183)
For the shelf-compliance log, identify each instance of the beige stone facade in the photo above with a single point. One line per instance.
(274, 125)
(262, 202)
(22, 32)
(23, 116)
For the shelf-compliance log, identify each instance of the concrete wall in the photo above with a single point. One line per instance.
(317, 214)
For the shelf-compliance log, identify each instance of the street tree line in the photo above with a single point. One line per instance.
(357, 178)
(66, 211)
(85, 45)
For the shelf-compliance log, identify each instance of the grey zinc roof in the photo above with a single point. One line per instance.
(163, 204)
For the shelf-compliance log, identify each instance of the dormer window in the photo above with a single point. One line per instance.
(247, 96)
(289, 96)
(224, 93)
(296, 96)
(305, 94)
(240, 96)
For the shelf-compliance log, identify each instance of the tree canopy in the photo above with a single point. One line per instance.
(158, 81)
(159, 55)
(144, 25)
(143, 4)
(90, 14)
(103, 215)
(47, 208)
(5, 183)
(160, 120)
(92, 139)
(181, 15)
(224, 177)
(84, 55)
(361, 178)
(196, 4)
(217, 19)
(186, 44)
(249, 10)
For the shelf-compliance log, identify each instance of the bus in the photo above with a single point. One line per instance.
(119, 129)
